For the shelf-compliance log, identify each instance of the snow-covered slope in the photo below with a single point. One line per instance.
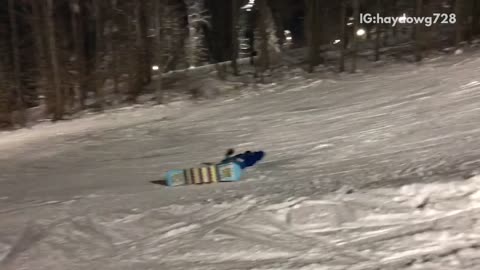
(336, 191)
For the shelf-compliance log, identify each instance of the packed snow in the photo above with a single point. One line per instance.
(375, 170)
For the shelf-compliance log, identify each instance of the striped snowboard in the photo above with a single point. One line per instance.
(228, 172)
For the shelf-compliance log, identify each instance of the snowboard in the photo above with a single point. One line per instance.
(224, 172)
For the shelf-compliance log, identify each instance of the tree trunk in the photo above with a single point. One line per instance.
(78, 45)
(192, 43)
(6, 114)
(312, 29)
(343, 35)
(459, 24)
(141, 75)
(114, 65)
(44, 83)
(52, 45)
(368, 34)
(378, 31)
(158, 7)
(280, 15)
(394, 14)
(146, 60)
(235, 41)
(220, 39)
(309, 29)
(20, 106)
(418, 32)
(99, 75)
(74, 11)
(264, 58)
(195, 50)
(115, 22)
(356, 15)
(475, 19)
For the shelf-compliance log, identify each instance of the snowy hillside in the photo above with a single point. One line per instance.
(363, 171)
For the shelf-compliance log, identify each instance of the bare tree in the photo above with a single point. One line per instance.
(280, 16)
(394, 13)
(20, 106)
(312, 28)
(99, 74)
(174, 34)
(418, 32)
(235, 40)
(356, 22)
(475, 19)
(52, 46)
(378, 32)
(142, 68)
(5, 94)
(261, 30)
(343, 35)
(78, 51)
(266, 42)
(459, 4)
(159, 49)
(43, 80)
(196, 52)
(111, 47)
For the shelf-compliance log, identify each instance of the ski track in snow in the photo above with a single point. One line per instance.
(363, 171)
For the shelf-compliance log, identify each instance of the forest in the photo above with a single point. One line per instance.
(61, 57)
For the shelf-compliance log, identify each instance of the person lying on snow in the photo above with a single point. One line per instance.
(244, 160)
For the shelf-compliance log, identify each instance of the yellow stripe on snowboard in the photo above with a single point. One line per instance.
(197, 177)
(205, 176)
(213, 173)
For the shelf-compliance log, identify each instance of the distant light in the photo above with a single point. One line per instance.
(250, 4)
(288, 38)
(350, 24)
(155, 68)
(191, 67)
(361, 32)
(336, 41)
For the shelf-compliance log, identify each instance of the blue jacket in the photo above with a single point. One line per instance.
(246, 159)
